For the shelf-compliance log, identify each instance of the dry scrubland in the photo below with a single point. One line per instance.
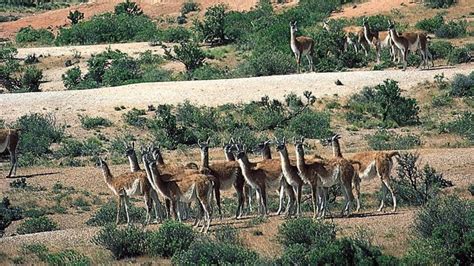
(70, 196)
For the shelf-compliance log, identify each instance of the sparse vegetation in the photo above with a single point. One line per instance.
(8, 214)
(440, 3)
(463, 125)
(89, 122)
(387, 140)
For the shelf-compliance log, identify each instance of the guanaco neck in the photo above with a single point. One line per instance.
(134, 166)
(285, 160)
(204, 158)
(266, 153)
(158, 157)
(106, 172)
(336, 148)
(394, 35)
(245, 165)
(300, 163)
(292, 37)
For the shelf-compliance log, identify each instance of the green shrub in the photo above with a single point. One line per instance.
(135, 118)
(268, 63)
(440, 3)
(121, 71)
(36, 225)
(31, 79)
(212, 28)
(75, 148)
(441, 100)
(154, 74)
(431, 24)
(311, 124)
(30, 35)
(386, 140)
(204, 251)
(459, 56)
(108, 28)
(171, 237)
(19, 183)
(65, 257)
(463, 125)
(108, 213)
(377, 22)
(148, 58)
(440, 49)
(306, 232)
(188, 7)
(208, 72)
(462, 85)
(127, 242)
(8, 214)
(471, 189)
(384, 102)
(75, 16)
(413, 185)
(128, 8)
(38, 132)
(444, 228)
(176, 34)
(227, 234)
(187, 53)
(452, 29)
(89, 122)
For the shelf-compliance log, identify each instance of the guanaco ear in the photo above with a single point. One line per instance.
(208, 140)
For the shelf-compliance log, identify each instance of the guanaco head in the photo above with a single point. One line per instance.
(129, 149)
(155, 152)
(293, 27)
(299, 145)
(365, 22)
(240, 150)
(228, 146)
(264, 145)
(280, 145)
(204, 146)
(330, 141)
(326, 24)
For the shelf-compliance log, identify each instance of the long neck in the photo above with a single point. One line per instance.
(134, 166)
(229, 156)
(266, 153)
(292, 36)
(204, 159)
(285, 160)
(106, 172)
(244, 165)
(394, 35)
(156, 181)
(367, 34)
(336, 148)
(300, 163)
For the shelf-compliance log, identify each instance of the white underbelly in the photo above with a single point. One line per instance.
(136, 189)
(189, 194)
(369, 172)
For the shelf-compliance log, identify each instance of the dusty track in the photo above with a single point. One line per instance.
(65, 104)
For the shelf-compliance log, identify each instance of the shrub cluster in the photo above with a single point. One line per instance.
(414, 185)
(75, 148)
(452, 29)
(36, 225)
(123, 243)
(30, 35)
(314, 243)
(8, 214)
(64, 257)
(88, 122)
(382, 105)
(107, 214)
(440, 3)
(114, 68)
(431, 24)
(172, 237)
(188, 7)
(444, 228)
(186, 123)
(387, 140)
(462, 85)
(463, 125)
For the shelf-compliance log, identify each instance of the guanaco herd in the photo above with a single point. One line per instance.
(399, 44)
(179, 185)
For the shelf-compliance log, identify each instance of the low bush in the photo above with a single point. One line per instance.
(463, 125)
(471, 189)
(188, 53)
(135, 118)
(444, 231)
(89, 122)
(314, 125)
(458, 56)
(75, 148)
(431, 24)
(31, 79)
(189, 6)
(208, 72)
(176, 34)
(452, 29)
(212, 28)
(462, 85)
(268, 63)
(108, 213)
(415, 185)
(440, 49)
(128, 8)
(108, 28)
(387, 140)
(441, 100)
(19, 183)
(123, 243)
(382, 105)
(36, 225)
(30, 35)
(38, 132)
(440, 3)
(65, 257)
(8, 214)
(75, 16)
(171, 238)
(306, 232)
(205, 251)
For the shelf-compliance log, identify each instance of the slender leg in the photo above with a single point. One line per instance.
(298, 200)
(264, 201)
(156, 206)
(384, 192)
(314, 200)
(239, 189)
(281, 196)
(126, 208)
(394, 199)
(357, 191)
(13, 163)
(217, 191)
(148, 206)
(119, 206)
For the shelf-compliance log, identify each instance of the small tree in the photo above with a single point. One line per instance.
(75, 16)
(404, 111)
(187, 53)
(129, 8)
(212, 29)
